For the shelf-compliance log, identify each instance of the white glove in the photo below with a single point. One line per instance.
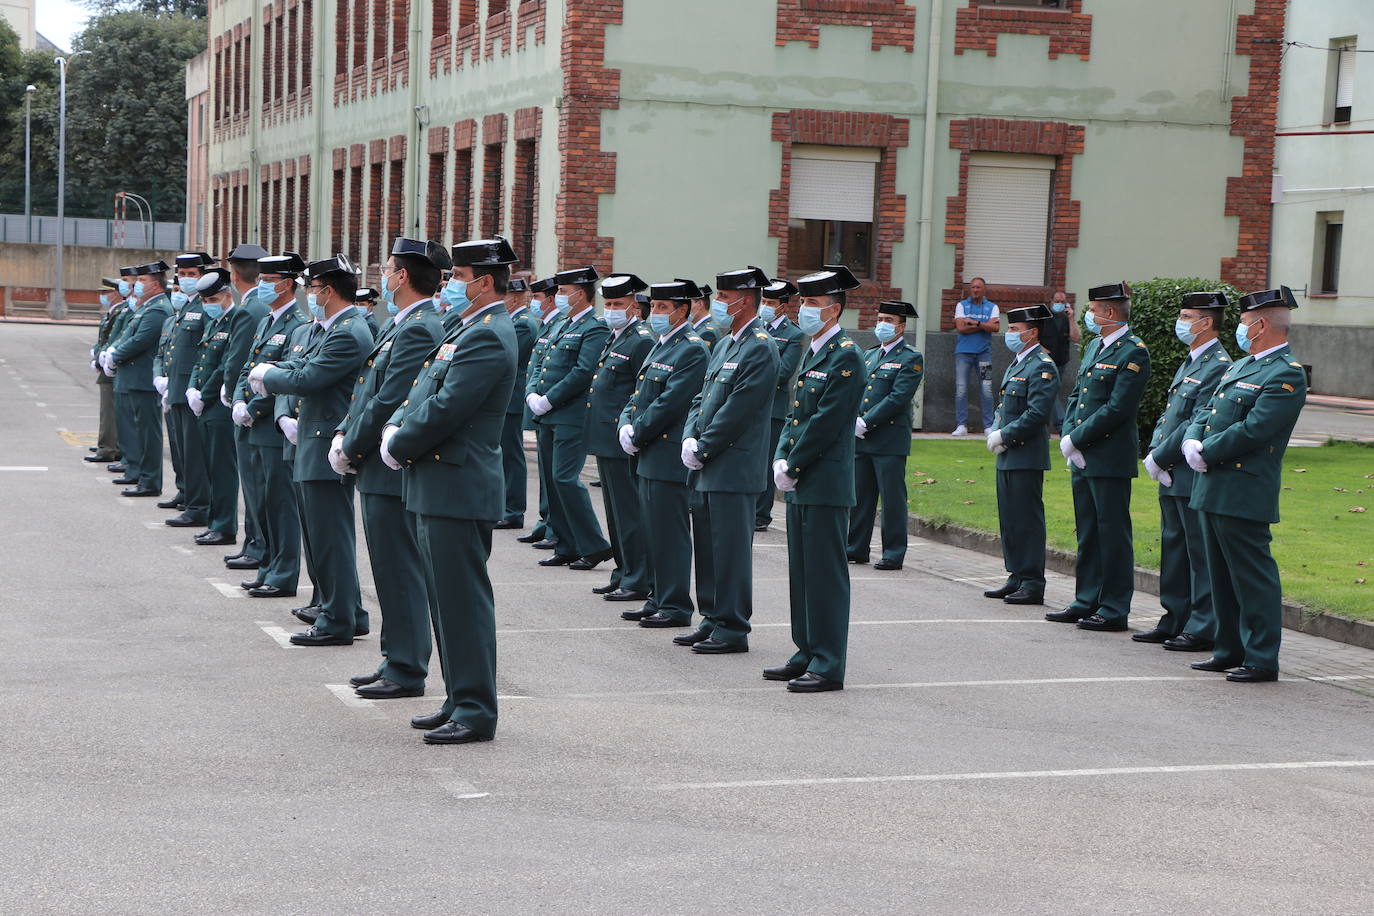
(387, 458)
(255, 378)
(241, 415)
(780, 478)
(224, 396)
(289, 427)
(995, 442)
(860, 427)
(689, 455)
(107, 363)
(627, 439)
(195, 401)
(1066, 446)
(166, 404)
(338, 460)
(95, 365)
(1077, 460)
(1192, 453)
(160, 383)
(539, 405)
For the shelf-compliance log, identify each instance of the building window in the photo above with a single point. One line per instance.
(830, 213)
(493, 187)
(1035, 4)
(1007, 233)
(434, 209)
(380, 249)
(355, 200)
(1327, 261)
(462, 195)
(1342, 79)
(336, 224)
(523, 200)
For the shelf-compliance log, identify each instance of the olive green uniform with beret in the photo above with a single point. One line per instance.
(138, 407)
(107, 440)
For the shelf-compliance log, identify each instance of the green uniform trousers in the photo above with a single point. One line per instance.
(669, 548)
(732, 564)
(705, 571)
(570, 506)
(1185, 592)
(174, 449)
(763, 516)
(402, 589)
(513, 466)
(818, 587)
(216, 433)
(879, 478)
(625, 523)
(107, 439)
(253, 544)
(1021, 525)
(1105, 578)
(140, 436)
(281, 521)
(305, 544)
(1246, 592)
(188, 446)
(543, 451)
(456, 552)
(327, 510)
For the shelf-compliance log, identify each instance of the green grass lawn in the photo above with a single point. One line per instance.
(1324, 550)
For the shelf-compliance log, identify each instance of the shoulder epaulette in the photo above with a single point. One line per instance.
(487, 318)
(847, 343)
(690, 336)
(1296, 365)
(763, 335)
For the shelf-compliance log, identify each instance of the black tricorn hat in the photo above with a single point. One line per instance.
(706, 290)
(831, 280)
(129, 271)
(432, 252)
(1269, 298)
(248, 251)
(213, 281)
(194, 259)
(750, 277)
(1109, 292)
(1031, 314)
(109, 283)
(518, 286)
(339, 264)
(617, 286)
(1215, 300)
(576, 276)
(156, 267)
(679, 290)
(781, 290)
(902, 310)
(546, 285)
(492, 252)
(365, 294)
(287, 264)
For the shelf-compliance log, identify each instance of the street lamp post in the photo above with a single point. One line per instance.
(28, 187)
(57, 308)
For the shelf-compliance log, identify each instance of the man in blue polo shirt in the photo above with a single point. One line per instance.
(976, 319)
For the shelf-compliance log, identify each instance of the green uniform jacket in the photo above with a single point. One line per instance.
(790, 341)
(1024, 408)
(105, 332)
(545, 334)
(1191, 388)
(1244, 431)
(893, 380)
(137, 345)
(617, 373)
(708, 332)
(818, 438)
(1101, 416)
(449, 436)
(568, 368)
(386, 379)
(120, 322)
(289, 405)
(669, 380)
(324, 376)
(181, 350)
(223, 350)
(271, 343)
(728, 416)
(526, 332)
(450, 319)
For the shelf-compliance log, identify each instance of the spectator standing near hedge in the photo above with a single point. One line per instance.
(976, 319)
(1057, 333)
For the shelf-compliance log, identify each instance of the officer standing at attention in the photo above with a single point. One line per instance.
(171, 378)
(286, 411)
(127, 302)
(130, 361)
(725, 442)
(324, 377)
(107, 440)
(550, 320)
(814, 466)
(513, 432)
(772, 314)
(894, 370)
(244, 270)
(614, 381)
(558, 399)
(1236, 445)
(447, 436)
(702, 324)
(1102, 447)
(222, 353)
(268, 467)
(1020, 439)
(651, 432)
(1185, 591)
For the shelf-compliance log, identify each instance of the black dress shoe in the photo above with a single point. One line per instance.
(1212, 664)
(360, 680)
(783, 672)
(1023, 596)
(453, 733)
(140, 491)
(249, 584)
(97, 458)
(857, 561)
(317, 637)
(383, 689)
(886, 564)
(184, 520)
(813, 683)
(431, 721)
(700, 634)
(545, 544)
(660, 620)
(530, 538)
(117, 467)
(271, 591)
(716, 647)
(605, 589)
(1157, 635)
(760, 527)
(242, 562)
(1188, 643)
(1068, 615)
(214, 539)
(624, 594)
(1002, 592)
(122, 481)
(172, 503)
(360, 631)
(638, 613)
(1248, 675)
(509, 524)
(592, 560)
(1099, 624)
(308, 614)
(558, 559)
(234, 556)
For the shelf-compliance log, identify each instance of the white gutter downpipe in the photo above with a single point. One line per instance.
(926, 223)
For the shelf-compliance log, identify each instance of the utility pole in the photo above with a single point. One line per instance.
(57, 307)
(28, 152)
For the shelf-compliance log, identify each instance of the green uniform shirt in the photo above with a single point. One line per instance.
(613, 383)
(1025, 405)
(892, 380)
(726, 416)
(1192, 387)
(818, 437)
(1101, 416)
(669, 380)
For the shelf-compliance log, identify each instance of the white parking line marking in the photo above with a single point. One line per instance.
(225, 589)
(180, 548)
(629, 627)
(279, 636)
(456, 785)
(20, 467)
(346, 696)
(154, 526)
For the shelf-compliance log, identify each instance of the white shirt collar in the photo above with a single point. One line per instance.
(666, 337)
(776, 322)
(486, 308)
(326, 323)
(889, 347)
(1027, 351)
(278, 312)
(518, 310)
(1202, 348)
(1115, 336)
(704, 318)
(584, 311)
(401, 315)
(550, 316)
(1263, 353)
(820, 340)
(744, 330)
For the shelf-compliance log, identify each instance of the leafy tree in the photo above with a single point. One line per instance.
(191, 9)
(19, 69)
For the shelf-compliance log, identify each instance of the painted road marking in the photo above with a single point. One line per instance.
(629, 627)
(227, 590)
(455, 785)
(279, 635)
(345, 695)
(179, 548)
(19, 467)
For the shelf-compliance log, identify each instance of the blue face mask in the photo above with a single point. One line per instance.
(884, 331)
(392, 308)
(1243, 337)
(720, 313)
(105, 300)
(212, 311)
(1183, 330)
(616, 318)
(536, 309)
(438, 304)
(455, 295)
(267, 292)
(562, 303)
(139, 289)
(809, 320)
(179, 299)
(125, 289)
(768, 314)
(1090, 322)
(660, 324)
(1014, 341)
(187, 285)
(312, 303)
(1056, 307)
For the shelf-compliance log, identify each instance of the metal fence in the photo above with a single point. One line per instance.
(99, 233)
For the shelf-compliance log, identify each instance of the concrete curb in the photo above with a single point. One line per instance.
(1295, 616)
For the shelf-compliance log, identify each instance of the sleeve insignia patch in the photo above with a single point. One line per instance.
(1134, 367)
(1287, 387)
(1046, 376)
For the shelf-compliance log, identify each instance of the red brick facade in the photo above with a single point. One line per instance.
(1041, 138)
(977, 26)
(883, 132)
(459, 39)
(893, 22)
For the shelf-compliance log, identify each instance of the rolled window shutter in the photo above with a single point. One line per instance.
(832, 189)
(1345, 76)
(1007, 228)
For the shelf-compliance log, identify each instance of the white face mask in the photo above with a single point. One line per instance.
(616, 318)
